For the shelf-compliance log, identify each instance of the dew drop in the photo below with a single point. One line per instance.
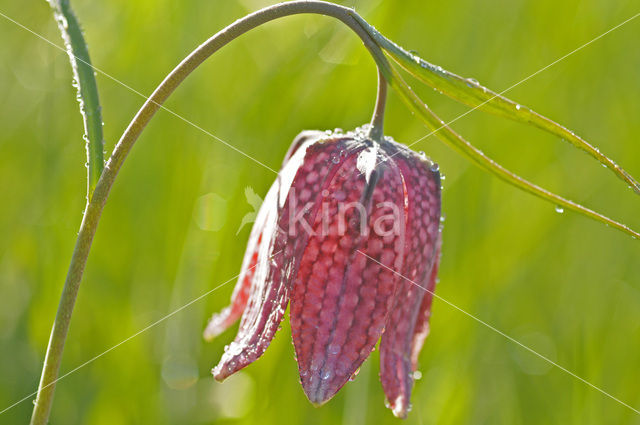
(417, 375)
(354, 374)
(518, 107)
(559, 209)
(434, 167)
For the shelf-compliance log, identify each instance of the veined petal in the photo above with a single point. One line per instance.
(284, 238)
(341, 297)
(422, 203)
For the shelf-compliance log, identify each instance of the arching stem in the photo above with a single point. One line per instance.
(44, 399)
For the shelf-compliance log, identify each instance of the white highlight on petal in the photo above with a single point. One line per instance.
(367, 162)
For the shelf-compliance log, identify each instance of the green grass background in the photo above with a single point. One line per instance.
(566, 286)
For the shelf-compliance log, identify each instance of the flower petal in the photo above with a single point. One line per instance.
(302, 138)
(219, 322)
(284, 238)
(422, 192)
(341, 298)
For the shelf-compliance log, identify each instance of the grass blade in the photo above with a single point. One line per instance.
(85, 82)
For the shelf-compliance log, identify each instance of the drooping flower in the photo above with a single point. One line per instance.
(349, 234)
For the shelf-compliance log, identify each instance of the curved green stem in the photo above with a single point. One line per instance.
(471, 93)
(96, 203)
(376, 131)
(85, 82)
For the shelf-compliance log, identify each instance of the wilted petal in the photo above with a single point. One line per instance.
(341, 298)
(284, 238)
(219, 322)
(422, 194)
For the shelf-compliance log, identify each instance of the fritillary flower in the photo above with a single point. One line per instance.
(349, 235)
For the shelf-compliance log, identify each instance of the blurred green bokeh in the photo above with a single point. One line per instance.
(566, 286)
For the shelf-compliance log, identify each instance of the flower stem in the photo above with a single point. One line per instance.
(96, 203)
(376, 131)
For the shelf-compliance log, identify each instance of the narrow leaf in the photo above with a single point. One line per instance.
(85, 82)
(453, 139)
(471, 93)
